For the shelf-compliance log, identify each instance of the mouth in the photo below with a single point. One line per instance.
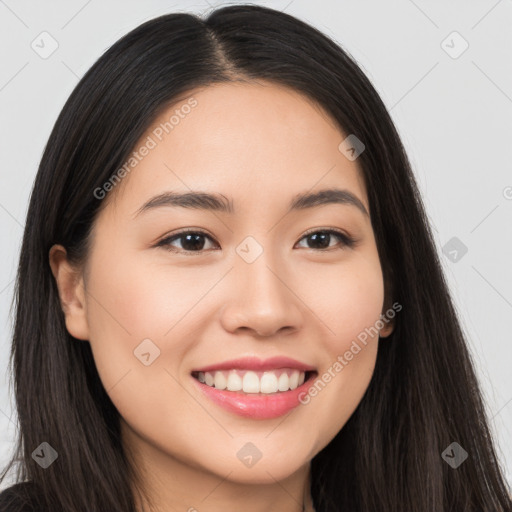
(245, 381)
(256, 389)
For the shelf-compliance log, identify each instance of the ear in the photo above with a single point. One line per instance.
(387, 329)
(70, 284)
(389, 323)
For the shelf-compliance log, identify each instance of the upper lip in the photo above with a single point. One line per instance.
(253, 363)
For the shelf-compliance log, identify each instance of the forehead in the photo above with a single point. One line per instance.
(254, 142)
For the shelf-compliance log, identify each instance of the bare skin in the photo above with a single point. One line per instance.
(258, 144)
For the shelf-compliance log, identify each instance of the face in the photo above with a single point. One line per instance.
(250, 289)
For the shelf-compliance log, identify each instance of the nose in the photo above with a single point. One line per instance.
(262, 300)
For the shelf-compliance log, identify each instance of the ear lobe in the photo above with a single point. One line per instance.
(389, 323)
(387, 329)
(70, 284)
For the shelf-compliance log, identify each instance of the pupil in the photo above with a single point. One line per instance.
(194, 244)
(324, 236)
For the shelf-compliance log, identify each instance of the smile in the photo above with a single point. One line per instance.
(248, 381)
(253, 388)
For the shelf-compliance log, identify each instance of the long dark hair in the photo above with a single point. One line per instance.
(424, 393)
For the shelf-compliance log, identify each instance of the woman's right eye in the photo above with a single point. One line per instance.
(191, 241)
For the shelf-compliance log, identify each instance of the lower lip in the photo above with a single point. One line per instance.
(257, 405)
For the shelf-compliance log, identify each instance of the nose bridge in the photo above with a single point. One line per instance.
(261, 279)
(261, 299)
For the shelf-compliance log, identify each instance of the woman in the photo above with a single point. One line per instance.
(229, 296)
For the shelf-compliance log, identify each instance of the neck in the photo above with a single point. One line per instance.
(307, 505)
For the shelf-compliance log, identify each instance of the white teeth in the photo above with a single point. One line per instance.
(284, 382)
(294, 379)
(234, 382)
(268, 383)
(208, 378)
(253, 382)
(219, 380)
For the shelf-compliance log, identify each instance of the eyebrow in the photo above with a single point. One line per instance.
(219, 203)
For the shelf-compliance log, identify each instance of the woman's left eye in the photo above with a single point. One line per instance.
(192, 241)
(324, 237)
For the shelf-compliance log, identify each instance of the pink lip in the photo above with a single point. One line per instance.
(255, 364)
(257, 405)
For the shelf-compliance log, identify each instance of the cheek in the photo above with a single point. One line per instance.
(130, 302)
(347, 302)
(140, 301)
(124, 307)
(133, 311)
(349, 306)
(351, 354)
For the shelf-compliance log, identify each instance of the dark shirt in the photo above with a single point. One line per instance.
(21, 497)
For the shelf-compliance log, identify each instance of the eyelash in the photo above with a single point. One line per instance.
(346, 240)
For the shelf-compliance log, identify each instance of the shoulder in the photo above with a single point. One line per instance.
(20, 497)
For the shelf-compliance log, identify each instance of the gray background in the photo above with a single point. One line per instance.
(452, 109)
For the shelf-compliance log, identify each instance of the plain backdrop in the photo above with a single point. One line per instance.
(443, 71)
